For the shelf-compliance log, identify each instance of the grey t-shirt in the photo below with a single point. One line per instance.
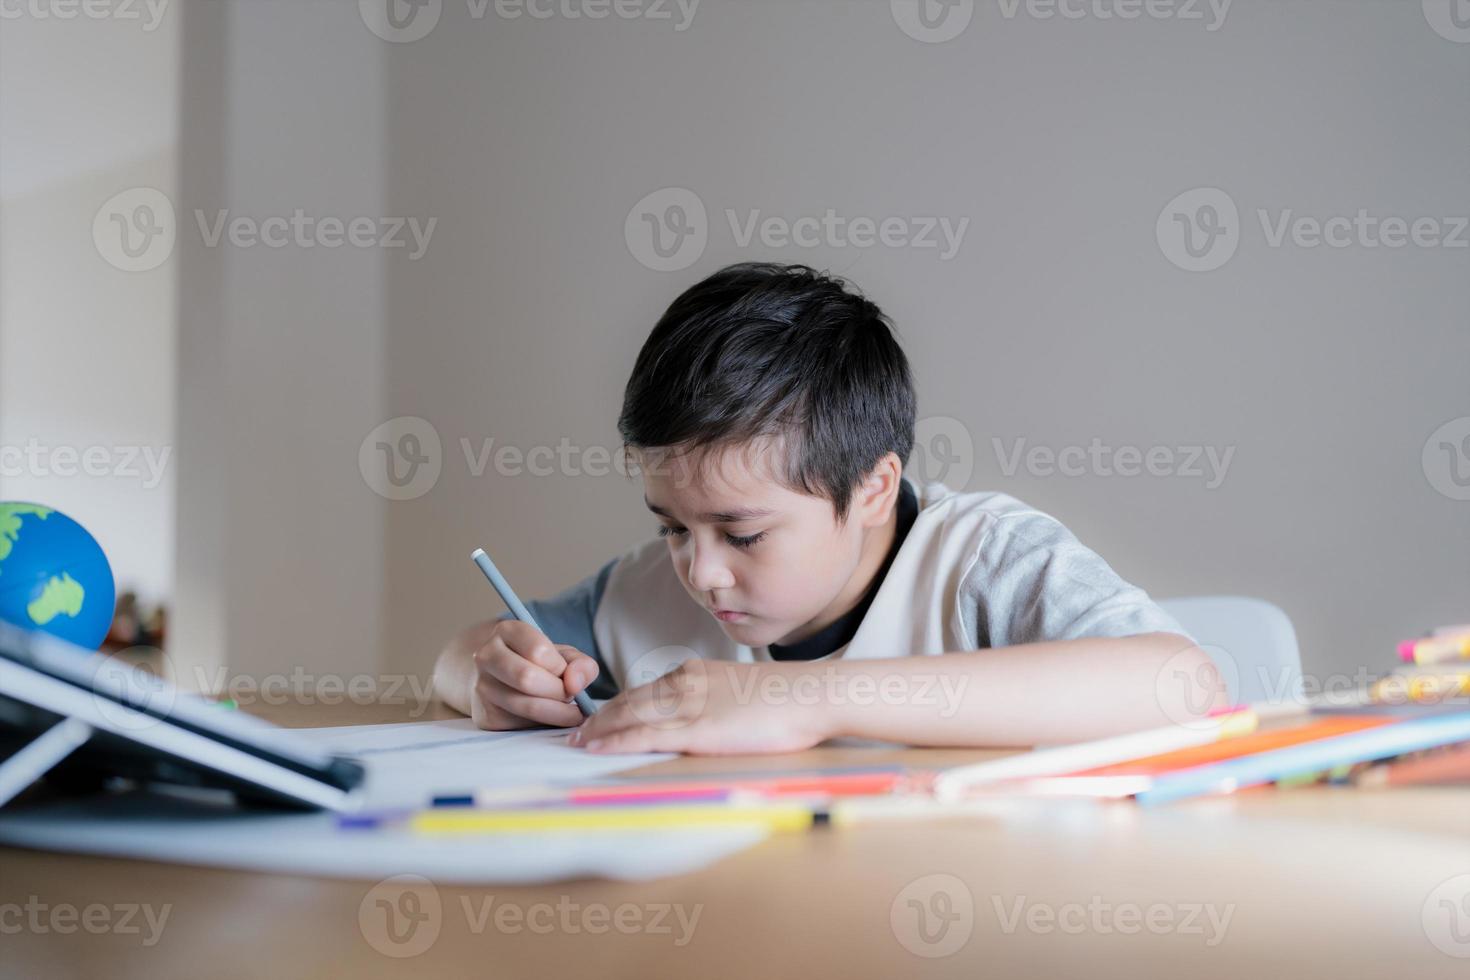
(1030, 580)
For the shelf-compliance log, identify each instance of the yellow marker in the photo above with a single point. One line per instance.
(776, 818)
(1420, 689)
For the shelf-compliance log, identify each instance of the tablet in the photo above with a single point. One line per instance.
(87, 718)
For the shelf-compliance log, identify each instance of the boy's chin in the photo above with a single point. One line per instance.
(751, 634)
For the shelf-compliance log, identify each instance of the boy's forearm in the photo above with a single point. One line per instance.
(1033, 694)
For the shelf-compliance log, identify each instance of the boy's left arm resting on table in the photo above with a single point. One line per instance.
(1024, 695)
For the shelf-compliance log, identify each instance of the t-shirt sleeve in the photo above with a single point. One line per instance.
(1032, 580)
(567, 617)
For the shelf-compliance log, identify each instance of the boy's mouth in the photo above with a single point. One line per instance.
(727, 615)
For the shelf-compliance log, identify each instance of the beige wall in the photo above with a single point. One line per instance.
(86, 349)
(1060, 320)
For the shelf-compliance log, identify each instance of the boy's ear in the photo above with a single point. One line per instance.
(877, 495)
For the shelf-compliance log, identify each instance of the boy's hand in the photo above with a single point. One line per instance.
(522, 679)
(706, 707)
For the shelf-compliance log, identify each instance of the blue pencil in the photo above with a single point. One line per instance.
(1410, 735)
(519, 611)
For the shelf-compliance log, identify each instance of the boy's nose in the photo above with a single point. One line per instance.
(707, 572)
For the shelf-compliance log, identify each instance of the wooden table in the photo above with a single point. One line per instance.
(1314, 882)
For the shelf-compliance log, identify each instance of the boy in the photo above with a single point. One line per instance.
(804, 589)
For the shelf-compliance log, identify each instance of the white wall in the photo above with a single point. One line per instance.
(88, 109)
(281, 349)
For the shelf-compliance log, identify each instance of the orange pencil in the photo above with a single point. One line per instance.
(1242, 745)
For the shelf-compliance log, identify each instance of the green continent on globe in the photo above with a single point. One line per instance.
(62, 595)
(10, 515)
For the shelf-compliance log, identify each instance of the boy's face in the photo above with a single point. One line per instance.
(768, 562)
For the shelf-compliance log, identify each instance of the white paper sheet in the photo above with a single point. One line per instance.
(406, 765)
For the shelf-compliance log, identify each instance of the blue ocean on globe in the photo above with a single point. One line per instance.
(53, 575)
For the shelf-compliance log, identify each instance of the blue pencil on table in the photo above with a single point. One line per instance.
(519, 611)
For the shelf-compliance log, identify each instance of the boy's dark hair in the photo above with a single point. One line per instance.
(763, 349)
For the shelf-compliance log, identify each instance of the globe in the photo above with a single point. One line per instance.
(53, 575)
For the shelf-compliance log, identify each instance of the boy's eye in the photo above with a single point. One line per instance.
(748, 541)
(745, 542)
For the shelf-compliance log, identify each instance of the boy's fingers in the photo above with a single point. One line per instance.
(582, 670)
(518, 673)
(541, 710)
(639, 739)
(527, 641)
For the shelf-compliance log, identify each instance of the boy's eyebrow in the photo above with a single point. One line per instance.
(722, 517)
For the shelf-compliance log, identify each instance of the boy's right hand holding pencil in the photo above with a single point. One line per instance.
(506, 674)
